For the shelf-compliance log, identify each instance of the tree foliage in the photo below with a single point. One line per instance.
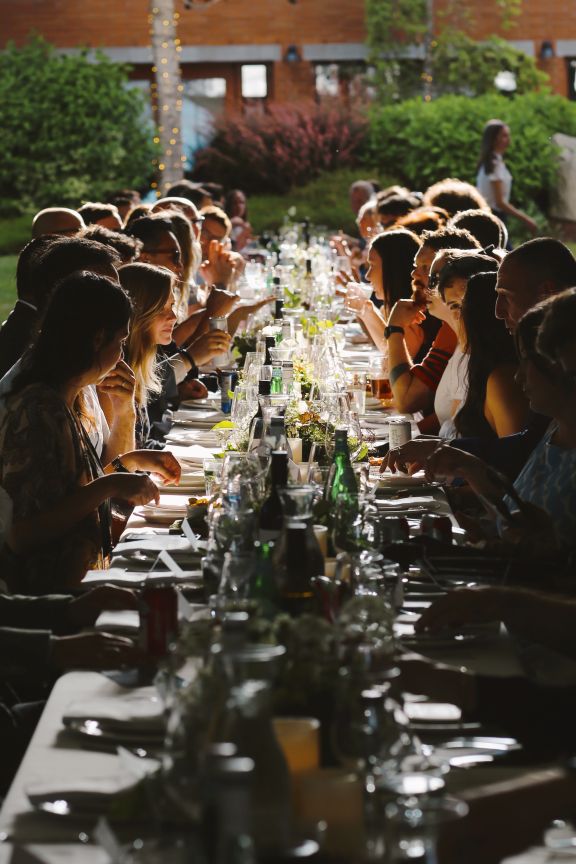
(70, 129)
(421, 142)
(402, 32)
(462, 65)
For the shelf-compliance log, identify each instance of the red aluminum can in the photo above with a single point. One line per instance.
(438, 527)
(158, 618)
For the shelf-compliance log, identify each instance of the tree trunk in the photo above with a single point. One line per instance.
(165, 49)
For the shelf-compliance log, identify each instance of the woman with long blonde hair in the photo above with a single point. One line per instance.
(151, 290)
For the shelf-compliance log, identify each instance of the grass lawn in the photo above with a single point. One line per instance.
(7, 284)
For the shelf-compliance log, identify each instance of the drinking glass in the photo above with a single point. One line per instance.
(236, 575)
(356, 386)
(251, 370)
(379, 377)
(212, 474)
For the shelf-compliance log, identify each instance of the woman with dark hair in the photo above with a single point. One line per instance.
(494, 404)
(494, 180)
(48, 465)
(390, 262)
(235, 207)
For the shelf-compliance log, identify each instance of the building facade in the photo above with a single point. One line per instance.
(236, 54)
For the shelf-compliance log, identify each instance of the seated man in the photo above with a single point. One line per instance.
(19, 329)
(128, 248)
(107, 215)
(57, 220)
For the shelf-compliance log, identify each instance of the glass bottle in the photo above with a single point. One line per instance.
(276, 384)
(343, 484)
(295, 569)
(250, 729)
(272, 514)
(263, 587)
(307, 286)
(226, 785)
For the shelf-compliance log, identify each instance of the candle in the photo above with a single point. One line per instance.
(299, 739)
(333, 796)
(295, 445)
(321, 533)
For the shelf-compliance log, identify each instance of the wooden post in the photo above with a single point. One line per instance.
(165, 50)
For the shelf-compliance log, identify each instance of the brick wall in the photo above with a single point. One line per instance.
(120, 23)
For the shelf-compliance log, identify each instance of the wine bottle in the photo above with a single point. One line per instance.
(272, 514)
(294, 571)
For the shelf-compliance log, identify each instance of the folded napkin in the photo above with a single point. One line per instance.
(113, 576)
(171, 542)
(123, 621)
(432, 712)
(142, 711)
(198, 415)
(193, 454)
(409, 502)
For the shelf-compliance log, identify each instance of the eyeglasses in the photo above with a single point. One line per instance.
(198, 220)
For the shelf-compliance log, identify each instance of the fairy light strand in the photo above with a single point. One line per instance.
(166, 95)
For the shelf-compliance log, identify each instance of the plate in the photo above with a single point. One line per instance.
(160, 515)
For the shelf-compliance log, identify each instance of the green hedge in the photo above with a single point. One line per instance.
(71, 129)
(324, 201)
(422, 142)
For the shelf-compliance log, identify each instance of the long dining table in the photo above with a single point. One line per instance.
(57, 759)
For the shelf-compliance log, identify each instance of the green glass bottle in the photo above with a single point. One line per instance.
(343, 485)
(263, 586)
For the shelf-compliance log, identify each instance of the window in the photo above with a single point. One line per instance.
(203, 101)
(571, 64)
(254, 81)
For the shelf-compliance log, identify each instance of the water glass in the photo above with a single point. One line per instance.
(236, 575)
(212, 475)
(356, 386)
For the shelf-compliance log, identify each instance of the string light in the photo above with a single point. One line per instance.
(167, 46)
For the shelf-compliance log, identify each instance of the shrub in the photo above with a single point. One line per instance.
(283, 147)
(421, 142)
(70, 127)
(324, 202)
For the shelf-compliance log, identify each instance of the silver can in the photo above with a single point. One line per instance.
(399, 432)
(219, 323)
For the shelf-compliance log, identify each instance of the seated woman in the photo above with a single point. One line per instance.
(390, 259)
(48, 465)
(493, 404)
(450, 272)
(151, 290)
(236, 207)
(539, 510)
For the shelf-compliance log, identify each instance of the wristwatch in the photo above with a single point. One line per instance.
(392, 328)
(119, 466)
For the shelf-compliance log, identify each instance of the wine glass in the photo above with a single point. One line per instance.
(237, 572)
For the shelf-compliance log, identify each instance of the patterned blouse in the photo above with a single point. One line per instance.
(46, 455)
(548, 480)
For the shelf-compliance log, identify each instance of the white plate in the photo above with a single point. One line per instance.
(160, 515)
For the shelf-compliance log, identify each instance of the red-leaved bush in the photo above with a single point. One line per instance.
(284, 146)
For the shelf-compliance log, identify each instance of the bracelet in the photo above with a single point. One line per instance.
(185, 353)
(119, 466)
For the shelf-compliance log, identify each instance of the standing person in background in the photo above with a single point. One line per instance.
(494, 180)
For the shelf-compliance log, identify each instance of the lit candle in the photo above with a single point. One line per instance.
(299, 739)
